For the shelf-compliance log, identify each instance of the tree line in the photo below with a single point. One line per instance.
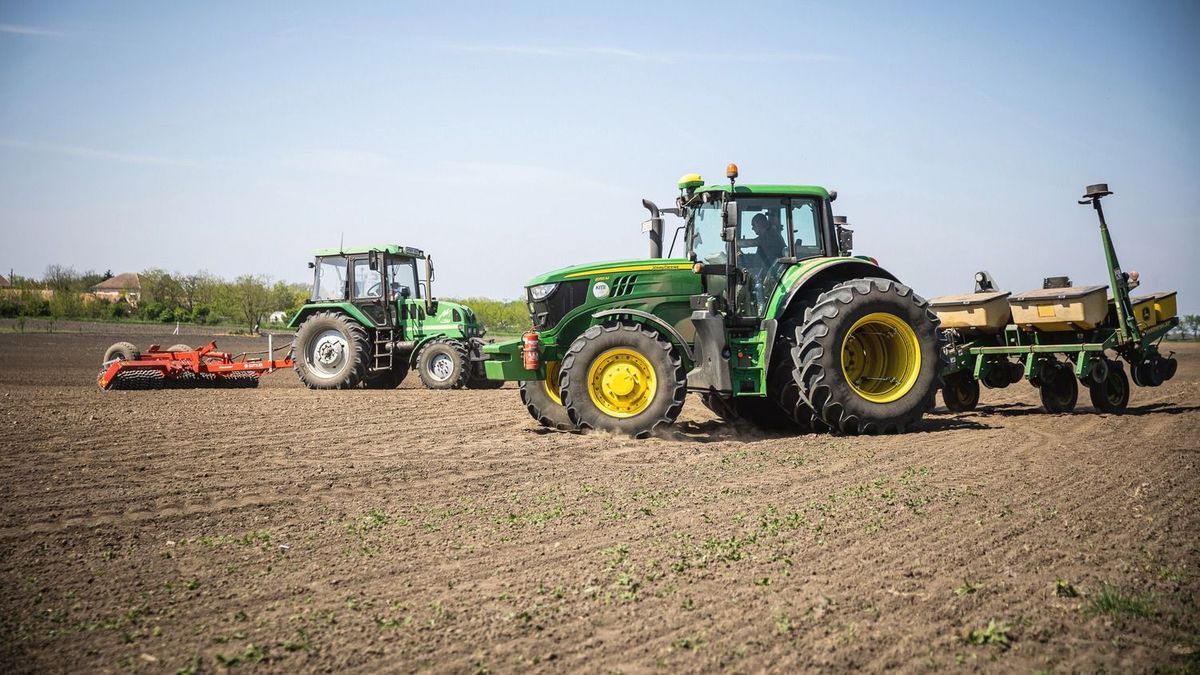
(199, 298)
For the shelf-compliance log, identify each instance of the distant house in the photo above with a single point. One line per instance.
(4, 282)
(126, 286)
(277, 317)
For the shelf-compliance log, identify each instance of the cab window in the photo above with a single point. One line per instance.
(330, 283)
(368, 284)
(402, 274)
(805, 228)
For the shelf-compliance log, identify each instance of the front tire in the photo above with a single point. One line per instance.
(332, 352)
(443, 364)
(543, 401)
(867, 357)
(622, 378)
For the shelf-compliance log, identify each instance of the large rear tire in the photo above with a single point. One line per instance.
(331, 352)
(544, 402)
(443, 364)
(622, 378)
(867, 357)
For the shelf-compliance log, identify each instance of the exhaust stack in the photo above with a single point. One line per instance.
(655, 227)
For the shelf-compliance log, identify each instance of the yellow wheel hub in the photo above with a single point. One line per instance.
(881, 357)
(621, 382)
(551, 381)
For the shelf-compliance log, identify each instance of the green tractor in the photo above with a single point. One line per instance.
(370, 320)
(767, 316)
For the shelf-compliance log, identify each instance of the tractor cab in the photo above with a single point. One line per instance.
(744, 238)
(381, 282)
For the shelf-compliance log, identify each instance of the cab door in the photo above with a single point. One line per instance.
(368, 281)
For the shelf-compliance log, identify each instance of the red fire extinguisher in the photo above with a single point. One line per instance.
(529, 350)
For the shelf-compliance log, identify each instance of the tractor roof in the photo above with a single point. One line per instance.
(391, 249)
(806, 190)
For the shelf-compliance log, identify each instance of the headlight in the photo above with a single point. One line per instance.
(540, 292)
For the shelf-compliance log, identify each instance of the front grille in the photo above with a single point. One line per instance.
(547, 312)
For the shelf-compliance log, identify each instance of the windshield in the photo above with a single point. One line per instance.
(402, 274)
(330, 283)
(706, 234)
(768, 228)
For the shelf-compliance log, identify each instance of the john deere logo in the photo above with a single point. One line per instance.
(600, 290)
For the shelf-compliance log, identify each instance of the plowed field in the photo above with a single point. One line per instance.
(284, 529)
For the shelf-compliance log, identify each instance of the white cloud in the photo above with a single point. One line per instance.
(100, 153)
(535, 50)
(29, 30)
(665, 57)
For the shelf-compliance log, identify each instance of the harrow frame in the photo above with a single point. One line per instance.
(157, 368)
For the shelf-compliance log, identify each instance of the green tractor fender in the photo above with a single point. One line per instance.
(651, 321)
(412, 356)
(787, 303)
(823, 275)
(342, 307)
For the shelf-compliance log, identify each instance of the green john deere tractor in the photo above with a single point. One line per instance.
(767, 316)
(368, 323)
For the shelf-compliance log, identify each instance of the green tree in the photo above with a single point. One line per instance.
(1192, 323)
(160, 288)
(253, 298)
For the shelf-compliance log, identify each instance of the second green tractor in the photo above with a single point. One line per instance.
(767, 316)
(371, 319)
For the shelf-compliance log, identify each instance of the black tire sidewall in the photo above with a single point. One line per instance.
(548, 412)
(1098, 392)
(960, 392)
(352, 371)
(123, 350)
(670, 387)
(428, 352)
(844, 408)
(1059, 393)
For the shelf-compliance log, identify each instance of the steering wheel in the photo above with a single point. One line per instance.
(374, 290)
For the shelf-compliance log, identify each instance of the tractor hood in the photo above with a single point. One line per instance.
(612, 267)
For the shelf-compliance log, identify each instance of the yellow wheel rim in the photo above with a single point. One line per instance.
(551, 381)
(621, 382)
(881, 357)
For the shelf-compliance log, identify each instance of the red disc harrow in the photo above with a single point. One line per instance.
(157, 368)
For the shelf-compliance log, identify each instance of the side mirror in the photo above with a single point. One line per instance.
(845, 238)
(311, 264)
(430, 302)
(729, 221)
(373, 260)
(729, 214)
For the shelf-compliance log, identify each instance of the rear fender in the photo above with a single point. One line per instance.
(828, 273)
(340, 307)
(787, 310)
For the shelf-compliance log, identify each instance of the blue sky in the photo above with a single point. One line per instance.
(510, 140)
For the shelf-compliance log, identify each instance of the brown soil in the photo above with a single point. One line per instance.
(412, 530)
